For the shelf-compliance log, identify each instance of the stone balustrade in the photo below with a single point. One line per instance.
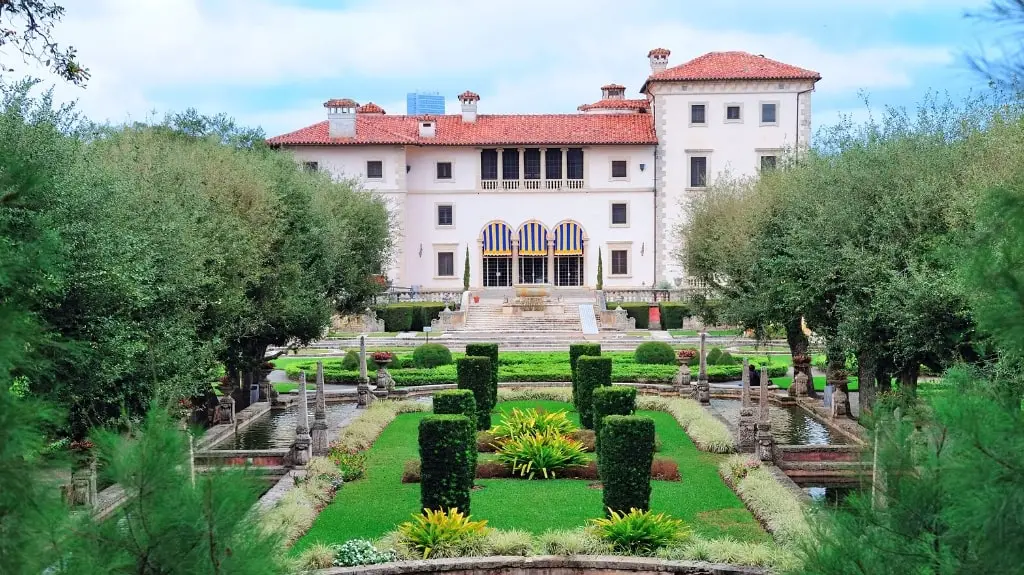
(546, 565)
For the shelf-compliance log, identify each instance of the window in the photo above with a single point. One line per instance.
(620, 214)
(698, 171)
(768, 163)
(531, 164)
(444, 170)
(553, 164)
(310, 166)
(697, 114)
(445, 215)
(620, 262)
(375, 169)
(732, 113)
(510, 164)
(769, 113)
(574, 164)
(619, 169)
(446, 264)
(488, 164)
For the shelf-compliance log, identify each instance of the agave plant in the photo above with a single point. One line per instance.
(435, 529)
(639, 532)
(530, 421)
(544, 453)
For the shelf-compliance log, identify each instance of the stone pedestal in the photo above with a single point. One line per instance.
(765, 442)
(681, 382)
(799, 386)
(748, 417)
(363, 396)
(225, 410)
(703, 386)
(839, 402)
(319, 430)
(301, 450)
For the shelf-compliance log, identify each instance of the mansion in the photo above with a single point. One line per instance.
(533, 198)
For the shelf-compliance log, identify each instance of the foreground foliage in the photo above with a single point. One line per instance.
(541, 454)
(639, 532)
(434, 533)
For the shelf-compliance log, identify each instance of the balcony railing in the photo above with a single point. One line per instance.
(532, 184)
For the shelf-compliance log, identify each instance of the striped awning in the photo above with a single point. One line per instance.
(533, 239)
(568, 239)
(497, 239)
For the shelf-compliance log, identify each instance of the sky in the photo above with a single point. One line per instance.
(272, 63)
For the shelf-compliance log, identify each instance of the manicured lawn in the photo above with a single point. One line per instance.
(819, 382)
(290, 387)
(374, 505)
(683, 332)
(351, 334)
(711, 332)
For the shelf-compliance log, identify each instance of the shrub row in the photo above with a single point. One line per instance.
(474, 374)
(708, 433)
(673, 314)
(662, 469)
(447, 461)
(409, 316)
(617, 400)
(770, 501)
(627, 452)
(592, 372)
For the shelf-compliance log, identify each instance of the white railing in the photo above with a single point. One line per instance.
(532, 184)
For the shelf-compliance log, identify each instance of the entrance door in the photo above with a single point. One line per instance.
(497, 271)
(533, 269)
(569, 270)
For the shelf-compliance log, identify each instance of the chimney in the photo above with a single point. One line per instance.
(428, 126)
(341, 118)
(659, 59)
(613, 92)
(469, 100)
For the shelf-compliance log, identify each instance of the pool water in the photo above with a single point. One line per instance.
(276, 430)
(791, 425)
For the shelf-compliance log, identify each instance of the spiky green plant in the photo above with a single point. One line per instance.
(521, 422)
(541, 453)
(435, 529)
(639, 532)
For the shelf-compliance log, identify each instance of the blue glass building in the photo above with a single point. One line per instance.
(424, 103)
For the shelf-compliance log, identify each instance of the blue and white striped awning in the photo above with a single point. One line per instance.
(533, 239)
(497, 239)
(568, 239)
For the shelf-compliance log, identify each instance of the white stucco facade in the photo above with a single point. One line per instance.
(619, 172)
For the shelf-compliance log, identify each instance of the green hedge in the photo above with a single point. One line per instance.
(627, 451)
(474, 374)
(575, 351)
(639, 311)
(431, 355)
(447, 461)
(655, 352)
(592, 372)
(455, 402)
(489, 350)
(411, 316)
(351, 361)
(611, 400)
(673, 313)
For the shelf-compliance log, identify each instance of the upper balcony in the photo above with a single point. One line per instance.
(532, 169)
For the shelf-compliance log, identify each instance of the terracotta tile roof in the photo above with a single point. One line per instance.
(487, 130)
(341, 103)
(614, 104)
(733, 66)
(370, 108)
(613, 87)
(467, 95)
(659, 52)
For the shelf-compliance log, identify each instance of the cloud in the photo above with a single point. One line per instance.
(265, 61)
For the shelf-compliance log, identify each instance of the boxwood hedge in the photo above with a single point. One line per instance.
(592, 372)
(489, 350)
(627, 450)
(431, 355)
(673, 313)
(411, 316)
(575, 351)
(638, 311)
(455, 401)
(447, 461)
(611, 400)
(474, 374)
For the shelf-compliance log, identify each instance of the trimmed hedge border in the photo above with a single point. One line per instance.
(455, 402)
(474, 374)
(592, 372)
(611, 400)
(489, 350)
(447, 461)
(627, 451)
(673, 314)
(575, 351)
(641, 312)
(411, 316)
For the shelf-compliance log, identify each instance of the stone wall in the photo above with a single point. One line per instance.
(545, 565)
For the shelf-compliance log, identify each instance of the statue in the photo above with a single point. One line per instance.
(799, 386)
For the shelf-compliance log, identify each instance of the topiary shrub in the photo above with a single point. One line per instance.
(673, 314)
(455, 402)
(611, 400)
(487, 350)
(474, 374)
(638, 311)
(575, 351)
(424, 313)
(627, 452)
(447, 461)
(396, 317)
(431, 355)
(655, 352)
(351, 360)
(592, 372)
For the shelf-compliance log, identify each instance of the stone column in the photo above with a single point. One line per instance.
(363, 396)
(319, 432)
(522, 165)
(543, 167)
(703, 386)
(301, 448)
(565, 164)
(515, 262)
(551, 262)
(765, 442)
(501, 167)
(748, 421)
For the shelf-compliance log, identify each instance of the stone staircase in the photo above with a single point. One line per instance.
(489, 317)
